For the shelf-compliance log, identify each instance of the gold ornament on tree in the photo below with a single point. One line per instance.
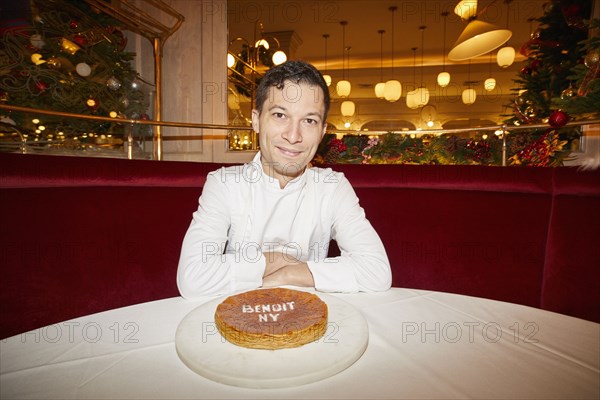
(592, 62)
(68, 46)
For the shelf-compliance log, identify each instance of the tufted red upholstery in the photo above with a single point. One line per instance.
(83, 235)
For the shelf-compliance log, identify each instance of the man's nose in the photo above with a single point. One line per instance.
(294, 133)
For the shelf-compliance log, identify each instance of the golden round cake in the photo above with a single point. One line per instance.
(276, 318)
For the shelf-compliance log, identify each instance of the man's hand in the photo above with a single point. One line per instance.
(276, 261)
(282, 269)
(294, 274)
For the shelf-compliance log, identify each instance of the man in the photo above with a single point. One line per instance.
(269, 222)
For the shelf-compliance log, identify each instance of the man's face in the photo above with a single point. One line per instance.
(290, 128)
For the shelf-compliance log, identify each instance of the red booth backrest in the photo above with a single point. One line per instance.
(83, 235)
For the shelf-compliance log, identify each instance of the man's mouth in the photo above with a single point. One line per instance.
(288, 152)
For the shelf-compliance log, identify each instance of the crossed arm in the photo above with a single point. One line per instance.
(281, 269)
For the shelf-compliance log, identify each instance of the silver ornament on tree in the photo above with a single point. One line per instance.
(568, 93)
(113, 83)
(83, 69)
(37, 41)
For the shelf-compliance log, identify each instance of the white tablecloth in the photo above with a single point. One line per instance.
(422, 344)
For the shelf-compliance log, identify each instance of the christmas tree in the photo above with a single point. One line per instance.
(64, 56)
(583, 100)
(547, 84)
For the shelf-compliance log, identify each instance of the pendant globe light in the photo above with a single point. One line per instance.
(443, 78)
(380, 87)
(490, 83)
(279, 57)
(422, 91)
(393, 89)
(506, 55)
(469, 95)
(411, 96)
(326, 76)
(347, 108)
(343, 87)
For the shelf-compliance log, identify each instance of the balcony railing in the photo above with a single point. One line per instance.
(137, 140)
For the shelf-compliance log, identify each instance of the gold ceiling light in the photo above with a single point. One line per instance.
(348, 108)
(411, 96)
(393, 88)
(469, 95)
(477, 38)
(380, 87)
(326, 76)
(490, 83)
(466, 9)
(443, 77)
(506, 55)
(343, 87)
(422, 94)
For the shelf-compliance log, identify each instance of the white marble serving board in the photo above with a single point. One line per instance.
(202, 348)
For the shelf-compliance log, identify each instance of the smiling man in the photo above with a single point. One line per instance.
(269, 222)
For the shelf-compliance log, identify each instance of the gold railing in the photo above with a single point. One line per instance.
(233, 128)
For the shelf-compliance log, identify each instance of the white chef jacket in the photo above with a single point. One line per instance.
(243, 212)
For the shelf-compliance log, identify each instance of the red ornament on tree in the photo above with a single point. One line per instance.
(41, 86)
(535, 64)
(121, 38)
(526, 71)
(80, 40)
(558, 119)
(525, 49)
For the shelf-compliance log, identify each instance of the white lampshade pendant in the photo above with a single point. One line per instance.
(279, 57)
(443, 79)
(380, 90)
(506, 56)
(392, 90)
(422, 96)
(343, 88)
(327, 79)
(348, 108)
(411, 100)
(489, 84)
(469, 96)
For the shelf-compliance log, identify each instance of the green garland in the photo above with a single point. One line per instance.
(531, 148)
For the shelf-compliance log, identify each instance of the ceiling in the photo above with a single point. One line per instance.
(309, 20)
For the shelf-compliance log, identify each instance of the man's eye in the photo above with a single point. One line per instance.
(278, 115)
(311, 121)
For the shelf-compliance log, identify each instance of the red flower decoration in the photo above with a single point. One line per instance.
(337, 144)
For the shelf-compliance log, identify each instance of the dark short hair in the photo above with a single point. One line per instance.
(296, 72)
